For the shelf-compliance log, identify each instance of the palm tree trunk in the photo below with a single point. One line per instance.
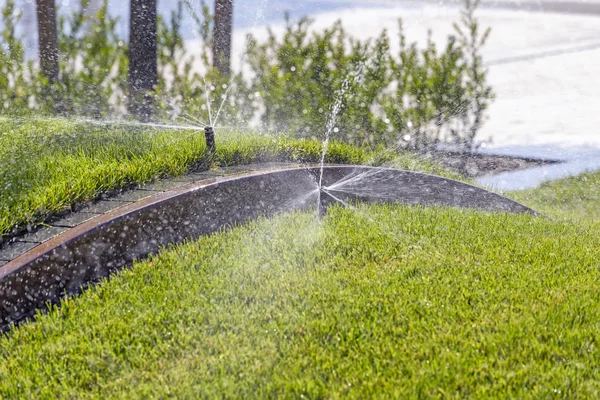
(48, 39)
(222, 36)
(143, 68)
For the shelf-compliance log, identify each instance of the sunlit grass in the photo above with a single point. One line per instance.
(575, 198)
(50, 164)
(383, 301)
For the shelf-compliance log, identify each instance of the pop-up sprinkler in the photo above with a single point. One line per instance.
(209, 132)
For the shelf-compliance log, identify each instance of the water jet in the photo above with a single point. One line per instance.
(94, 249)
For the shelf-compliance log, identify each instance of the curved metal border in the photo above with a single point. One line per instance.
(96, 248)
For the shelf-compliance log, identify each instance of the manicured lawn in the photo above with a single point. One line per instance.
(379, 301)
(50, 164)
(575, 198)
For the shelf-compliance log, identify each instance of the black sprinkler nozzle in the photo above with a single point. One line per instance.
(209, 132)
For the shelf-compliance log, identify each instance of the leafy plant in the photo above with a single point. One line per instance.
(416, 100)
(300, 78)
(93, 63)
(20, 82)
(303, 83)
(183, 93)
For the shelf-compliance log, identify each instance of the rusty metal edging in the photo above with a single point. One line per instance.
(83, 254)
(98, 222)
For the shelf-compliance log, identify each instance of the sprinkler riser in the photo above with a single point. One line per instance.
(324, 200)
(209, 133)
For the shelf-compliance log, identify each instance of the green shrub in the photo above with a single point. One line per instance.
(20, 83)
(94, 63)
(415, 100)
(304, 83)
(183, 93)
(301, 77)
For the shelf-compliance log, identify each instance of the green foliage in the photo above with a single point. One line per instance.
(304, 83)
(302, 77)
(373, 302)
(20, 83)
(429, 91)
(414, 100)
(441, 96)
(183, 92)
(93, 63)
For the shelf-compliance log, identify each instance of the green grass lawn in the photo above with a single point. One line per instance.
(50, 164)
(574, 198)
(379, 301)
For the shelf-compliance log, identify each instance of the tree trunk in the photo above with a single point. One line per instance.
(48, 39)
(143, 68)
(222, 36)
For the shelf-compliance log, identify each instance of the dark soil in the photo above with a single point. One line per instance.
(478, 165)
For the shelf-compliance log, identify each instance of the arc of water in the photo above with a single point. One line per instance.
(188, 120)
(192, 129)
(372, 193)
(335, 110)
(137, 124)
(192, 118)
(337, 106)
(342, 202)
(351, 178)
(111, 122)
(330, 126)
(222, 104)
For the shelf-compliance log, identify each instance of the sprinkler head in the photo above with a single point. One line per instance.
(209, 133)
(322, 201)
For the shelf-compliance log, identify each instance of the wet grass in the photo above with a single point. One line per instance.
(382, 301)
(575, 198)
(48, 165)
